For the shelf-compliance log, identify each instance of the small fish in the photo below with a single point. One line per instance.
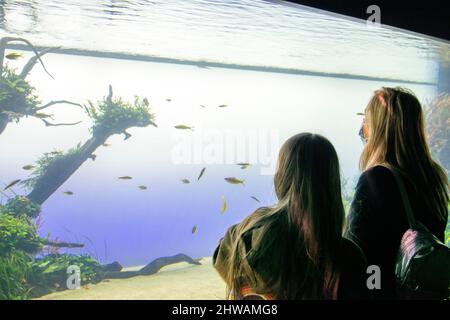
(223, 106)
(256, 199)
(203, 106)
(201, 173)
(224, 205)
(234, 180)
(360, 114)
(194, 229)
(68, 193)
(185, 181)
(125, 178)
(41, 115)
(244, 165)
(20, 89)
(56, 285)
(106, 145)
(145, 101)
(183, 127)
(168, 100)
(127, 135)
(28, 167)
(142, 187)
(14, 56)
(11, 184)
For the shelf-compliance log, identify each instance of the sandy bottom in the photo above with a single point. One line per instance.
(177, 281)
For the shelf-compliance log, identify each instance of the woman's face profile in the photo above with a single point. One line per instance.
(364, 130)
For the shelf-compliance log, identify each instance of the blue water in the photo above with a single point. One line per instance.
(119, 222)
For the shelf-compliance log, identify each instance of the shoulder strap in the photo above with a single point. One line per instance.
(404, 195)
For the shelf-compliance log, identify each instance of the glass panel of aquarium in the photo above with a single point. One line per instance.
(147, 128)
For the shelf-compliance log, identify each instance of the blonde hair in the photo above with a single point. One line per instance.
(397, 137)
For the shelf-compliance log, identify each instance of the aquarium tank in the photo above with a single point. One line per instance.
(134, 133)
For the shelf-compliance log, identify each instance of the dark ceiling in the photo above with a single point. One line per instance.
(429, 17)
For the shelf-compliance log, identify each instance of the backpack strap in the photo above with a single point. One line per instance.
(403, 194)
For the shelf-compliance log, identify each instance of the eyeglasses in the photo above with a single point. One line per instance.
(361, 135)
(361, 130)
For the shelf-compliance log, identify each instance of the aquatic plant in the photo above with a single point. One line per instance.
(17, 233)
(14, 270)
(49, 273)
(55, 263)
(22, 206)
(437, 114)
(18, 240)
(19, 243)
(49, 165)
(17, 96)
(114, 116)
(24, 278)
(110, 116)
(17, 226)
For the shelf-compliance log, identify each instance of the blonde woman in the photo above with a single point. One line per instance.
(295, 249)
(394, 132)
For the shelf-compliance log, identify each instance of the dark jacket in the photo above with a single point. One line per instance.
(377, 222)
(352, 282)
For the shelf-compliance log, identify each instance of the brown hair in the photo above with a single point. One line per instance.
(295, 253)
(397, 137)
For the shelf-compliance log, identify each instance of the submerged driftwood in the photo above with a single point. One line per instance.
(59, 244)
(151, 268)
(49, 183)
(17, 103)
(51, 180)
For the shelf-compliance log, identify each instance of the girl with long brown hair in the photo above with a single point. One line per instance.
(394, 132)
(295, 249)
